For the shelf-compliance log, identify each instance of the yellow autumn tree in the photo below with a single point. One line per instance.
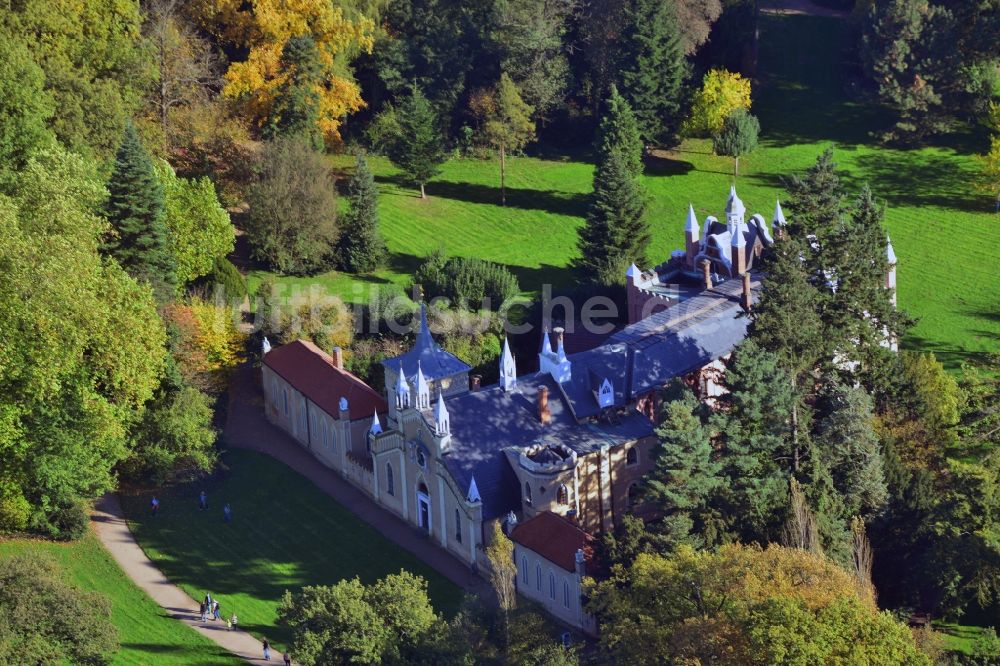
(721, 93)
(262, 27)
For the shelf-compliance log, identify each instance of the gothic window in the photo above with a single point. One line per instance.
(458, 527)
(632, 456)
(390, 486)
(527, 493)
(562, 495)
(538, 577)
(524, 570)
(421, 458)
(566, 594)
(552, 585)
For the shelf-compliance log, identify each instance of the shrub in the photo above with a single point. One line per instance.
(225, 278)
(466, 281)
(15, 510)
(70, 522)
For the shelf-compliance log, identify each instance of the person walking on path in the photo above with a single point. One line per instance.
(208, 600)
(267, 650)
(227, 513)
(202, 611)
(216, 611)
(288, 659)
(154, 506)
(203, 501)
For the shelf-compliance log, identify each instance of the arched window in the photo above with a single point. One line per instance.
(552, 585)
(458, 527)
(390, 486)
(632, 495)
(527, 493)
(566, 594)
(538, 577)
(632, 456)
(524, 571)
(562, 495)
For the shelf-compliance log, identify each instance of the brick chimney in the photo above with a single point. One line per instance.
(706, 267)
(474, 382)
(338, 358)
(746, 298)
(544, 414)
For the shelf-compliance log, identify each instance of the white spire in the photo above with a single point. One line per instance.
(735, 205)
(441, 420)
(376, 426)
(508, 370)
(546, 342)
(779, 215)
(423, 390)
(473, 494)
(890, 255)
(265, 346)
(632, 272)
(561, 351)
(739, 238)
(691, 225)
(402, 390)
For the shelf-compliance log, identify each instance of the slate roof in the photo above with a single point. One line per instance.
(609, 361)
(485, 422)
(434, 361)
(312, 372)
(555, 538)
(685, 337)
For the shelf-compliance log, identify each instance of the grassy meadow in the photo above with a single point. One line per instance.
(285, 534)
(148, 635)
(943, 230)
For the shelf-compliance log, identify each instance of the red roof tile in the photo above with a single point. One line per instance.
(312, 371)
(555, 538)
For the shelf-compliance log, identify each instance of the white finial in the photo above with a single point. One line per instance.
(632, 272)
(473, 494)
(779, 215)
(423, 390)
(890, 255)
(691, 225)
(402, 390)
(508, 370)
(441, 419)
(376, 426)
(265, 346)
(546, 342)
(343, 404)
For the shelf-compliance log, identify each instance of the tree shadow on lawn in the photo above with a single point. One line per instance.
(660, 164)
(949, 355)
(560, 203)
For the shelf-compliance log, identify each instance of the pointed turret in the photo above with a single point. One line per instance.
(376, 426)
(546, 343)
(555, 362)
(442, 423)
(423, 389)
(692, 239)
(890, 275)
(508, 370)
(735, 209)
(738, 251)
(633, 273)
(402, 390)
(473, 494)
(890, 254)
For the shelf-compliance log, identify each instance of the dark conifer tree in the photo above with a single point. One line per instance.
(619, 131)
(362, 248)
(654, 69)
(296, 106)
(418, 148)
(139, 241)
(616, 233)
(816, 201)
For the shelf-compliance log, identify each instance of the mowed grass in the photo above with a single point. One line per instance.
(943, 230)
(148, 635)
(285, 534)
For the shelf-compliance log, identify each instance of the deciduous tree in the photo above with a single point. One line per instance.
(509, 127)
(721, 93)
(25, 107)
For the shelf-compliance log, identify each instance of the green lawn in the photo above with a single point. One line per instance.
(943, 231)
(286, 534)
(147, 634)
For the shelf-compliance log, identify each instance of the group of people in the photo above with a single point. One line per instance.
(227, 511)
(210, 610)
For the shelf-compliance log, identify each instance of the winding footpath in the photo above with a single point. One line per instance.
(109, 524)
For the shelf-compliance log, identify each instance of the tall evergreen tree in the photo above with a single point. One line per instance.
(139, 240)
(619, 131)
(816, 201)
(296, 108)
(362, 248)
(418, 148)
(686, 474)
(737, 137)
(616, 232)
(654, 69)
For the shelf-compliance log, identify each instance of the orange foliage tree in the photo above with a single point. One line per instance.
(263, 26)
